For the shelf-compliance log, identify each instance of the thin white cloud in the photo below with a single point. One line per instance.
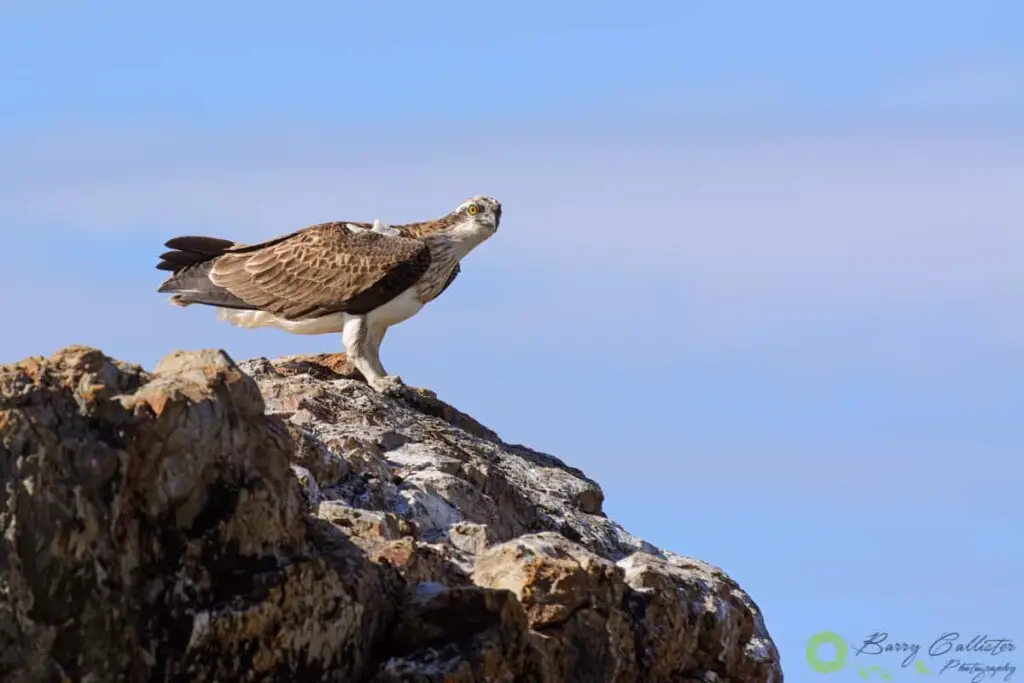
(735, 233)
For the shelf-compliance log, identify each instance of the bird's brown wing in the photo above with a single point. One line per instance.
(322, 269)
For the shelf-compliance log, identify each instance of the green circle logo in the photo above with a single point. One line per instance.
(821, 665)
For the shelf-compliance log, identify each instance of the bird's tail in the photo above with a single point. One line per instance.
(189, 261)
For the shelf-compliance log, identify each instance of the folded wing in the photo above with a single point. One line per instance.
(319, 270)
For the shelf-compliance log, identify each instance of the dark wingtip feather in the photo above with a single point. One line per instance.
(197, 244)
(191, 250)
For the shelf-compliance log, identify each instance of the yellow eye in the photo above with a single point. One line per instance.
(473, 209)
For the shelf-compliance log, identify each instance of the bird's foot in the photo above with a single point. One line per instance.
(391, 386)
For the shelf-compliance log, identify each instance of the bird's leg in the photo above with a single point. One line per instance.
(361, 351)
(362, 347)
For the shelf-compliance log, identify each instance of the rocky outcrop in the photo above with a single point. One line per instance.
(280, 521)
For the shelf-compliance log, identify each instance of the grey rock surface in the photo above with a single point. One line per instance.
(279, 520)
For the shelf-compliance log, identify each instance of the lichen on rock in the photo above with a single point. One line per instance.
(280, 521)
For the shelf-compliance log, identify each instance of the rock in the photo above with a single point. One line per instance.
(574, 602)
(461, 634)
(278, 520)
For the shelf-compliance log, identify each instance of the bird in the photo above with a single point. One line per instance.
(351, 278)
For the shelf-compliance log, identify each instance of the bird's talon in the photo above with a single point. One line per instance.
(393, 386)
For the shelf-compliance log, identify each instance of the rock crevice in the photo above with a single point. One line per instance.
(279, 521)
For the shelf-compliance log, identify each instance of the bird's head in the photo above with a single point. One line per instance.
(477, 217)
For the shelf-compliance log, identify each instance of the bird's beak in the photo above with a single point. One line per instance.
(497, 217)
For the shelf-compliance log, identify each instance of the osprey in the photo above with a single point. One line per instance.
(356, 279)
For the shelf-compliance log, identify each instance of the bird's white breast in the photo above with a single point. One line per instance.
(402, 307)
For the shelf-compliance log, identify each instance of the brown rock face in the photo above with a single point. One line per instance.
(280, 521)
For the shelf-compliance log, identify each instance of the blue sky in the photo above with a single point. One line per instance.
(759, 274)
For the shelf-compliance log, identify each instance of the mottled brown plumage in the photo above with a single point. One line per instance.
(312, 272)
(323, 269)
(351, 277)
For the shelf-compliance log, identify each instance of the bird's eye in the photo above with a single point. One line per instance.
(472, 209)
